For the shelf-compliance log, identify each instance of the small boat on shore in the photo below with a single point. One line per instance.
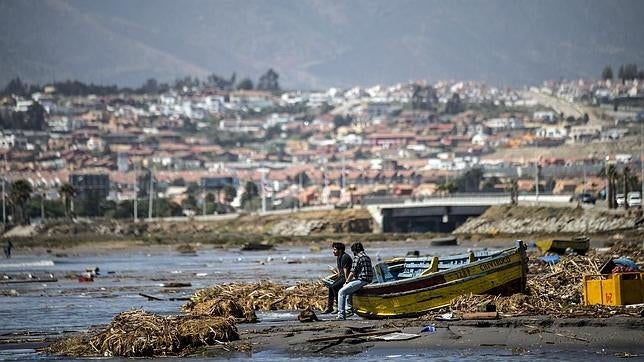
(256, 246)
(503, 272)
(578, 244)
(443, 241)
(412, 266)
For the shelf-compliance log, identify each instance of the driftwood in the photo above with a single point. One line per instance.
(480, 316)
(171, 299)
(354, 335)
(18, 281)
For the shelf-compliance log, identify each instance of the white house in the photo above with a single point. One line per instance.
(552, 132)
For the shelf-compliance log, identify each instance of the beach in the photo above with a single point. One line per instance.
(37, 314)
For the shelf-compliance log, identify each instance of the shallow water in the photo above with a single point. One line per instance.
(30, 311)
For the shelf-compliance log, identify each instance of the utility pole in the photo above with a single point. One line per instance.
(299, 192)
(203, 207)
(263, 192)
(343, 179)
(641, 164)
(4, 208)
(42, 205)
(4, 201)
(536, 188)
(136, 192)
(151, 193)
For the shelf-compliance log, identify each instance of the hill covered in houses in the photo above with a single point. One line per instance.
(200, 148)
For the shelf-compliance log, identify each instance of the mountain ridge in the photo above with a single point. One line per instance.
(316, 44)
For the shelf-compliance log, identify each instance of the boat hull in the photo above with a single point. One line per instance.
(503, 274)
(559, 246)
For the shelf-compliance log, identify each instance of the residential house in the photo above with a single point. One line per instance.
(584, 134)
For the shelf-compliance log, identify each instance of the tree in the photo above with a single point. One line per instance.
(610, 173)
(68, 192)
(630, 71)
(229, 193)
(627, 72)
(625, 174)
(269, 81)
(245, 84)
(18, 196)
(189, 203)
(35, 117)
(341, 121)
(423, 97)
(16, 87)
(454, 105)
(220, 82)
(607, 73)
(470, 181)
(167, 208)
(151, 86)
(446, 188)
(514, 191)
(251, 191)
(489, 184)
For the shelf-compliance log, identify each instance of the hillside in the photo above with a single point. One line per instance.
(317, 43)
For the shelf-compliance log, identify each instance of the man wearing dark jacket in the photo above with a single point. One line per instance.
(344, 267)
(361, 274)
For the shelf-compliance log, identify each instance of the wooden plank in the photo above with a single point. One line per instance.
(480, 315)
(17, 281)
(354, 335)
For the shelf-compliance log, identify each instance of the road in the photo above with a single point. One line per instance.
(563, 106)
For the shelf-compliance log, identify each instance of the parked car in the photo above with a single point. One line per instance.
(584, 197)
(634, 199)
(621, 199)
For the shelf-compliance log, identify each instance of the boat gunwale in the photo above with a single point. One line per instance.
(501, 253)
(446, 283)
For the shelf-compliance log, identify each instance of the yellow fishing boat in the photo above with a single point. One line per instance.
(503, 273)
(578, 244)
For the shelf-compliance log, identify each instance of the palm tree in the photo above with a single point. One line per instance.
(18, 196)
(68, 192)
(610, 173)
(250, 191)
(229, 193)
(446, 188)
(514, 191)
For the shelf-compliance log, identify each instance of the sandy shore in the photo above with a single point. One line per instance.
(518, 336)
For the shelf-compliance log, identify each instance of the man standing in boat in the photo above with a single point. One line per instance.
(344, 268)
(361, 274)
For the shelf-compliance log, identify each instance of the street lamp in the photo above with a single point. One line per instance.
(641, 164)
(4, 194)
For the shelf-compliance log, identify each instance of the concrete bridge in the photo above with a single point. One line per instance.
(444, 214)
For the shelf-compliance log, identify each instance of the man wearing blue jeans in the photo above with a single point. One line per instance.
(361, 274)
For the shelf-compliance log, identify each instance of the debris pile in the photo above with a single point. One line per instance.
(138, 333)
(557, 290)
(261, 296)
(224, 306)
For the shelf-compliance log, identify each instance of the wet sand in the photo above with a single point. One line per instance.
(516, 336)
